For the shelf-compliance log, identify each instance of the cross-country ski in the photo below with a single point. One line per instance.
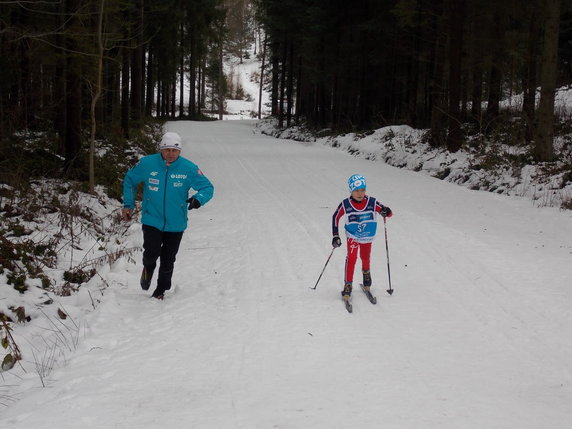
(368, 293)
(348, 304)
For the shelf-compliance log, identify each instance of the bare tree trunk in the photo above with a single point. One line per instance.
(182, 87)
(275, 77)
(299, 91)
(261, 86)
(477, 93)
(95, 98)
(456, 24)
(290, 89)
(111, 96)
(198, 82)
(160, 96)
(282, 86)
(544, 146)
(220, 85)
(193, 74)
(498, 52)
(204, 81)
(413, 78)
(181, 71)
(436, 85)
(136, 67)
(73, 104)
(150, 92)
(475, 20)
(60, 82)
(530, 79)
(73, 119)
(125, 93)
(174, 97)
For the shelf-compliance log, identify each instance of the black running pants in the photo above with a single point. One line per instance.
(164, 246)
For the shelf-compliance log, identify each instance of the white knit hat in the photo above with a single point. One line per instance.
(170, 140)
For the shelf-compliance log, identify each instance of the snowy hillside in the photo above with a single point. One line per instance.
(246, 76)
(483, 165)
(477, 334)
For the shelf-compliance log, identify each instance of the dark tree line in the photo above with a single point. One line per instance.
(427, 63)
(131, 56)
(107, 65)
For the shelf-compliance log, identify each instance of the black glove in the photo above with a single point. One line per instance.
(193, 203)
(336, 242)
(386, 211)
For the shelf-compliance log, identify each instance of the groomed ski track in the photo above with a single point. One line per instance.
(476, 335)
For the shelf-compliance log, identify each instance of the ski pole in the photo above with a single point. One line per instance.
(390, 290)
(324, 269)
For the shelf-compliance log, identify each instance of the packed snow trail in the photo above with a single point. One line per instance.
(478, 333)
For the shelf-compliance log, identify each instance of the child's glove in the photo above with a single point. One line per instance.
(193, 203)
(386, 212)
(336, 242)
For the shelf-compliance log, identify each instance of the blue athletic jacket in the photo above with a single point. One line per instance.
(166, 190)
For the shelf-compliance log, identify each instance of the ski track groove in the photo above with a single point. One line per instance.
(243, 342)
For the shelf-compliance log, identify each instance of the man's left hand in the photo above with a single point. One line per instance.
(193, 203)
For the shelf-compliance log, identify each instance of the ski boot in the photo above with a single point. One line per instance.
(366, 280)
(347, 292)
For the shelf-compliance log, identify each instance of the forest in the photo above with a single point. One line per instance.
(441, 65)
(84, 71)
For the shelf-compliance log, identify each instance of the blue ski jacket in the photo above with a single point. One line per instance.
(166, 190)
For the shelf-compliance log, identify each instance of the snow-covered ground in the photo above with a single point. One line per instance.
(491, 166)
(562, 101)
(484, 163)
(478, 333)
(246, 75)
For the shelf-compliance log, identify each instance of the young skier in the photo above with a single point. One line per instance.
(360, 213)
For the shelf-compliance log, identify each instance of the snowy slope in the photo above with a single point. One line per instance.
(478, 333)
(246, 75)
(477, 166)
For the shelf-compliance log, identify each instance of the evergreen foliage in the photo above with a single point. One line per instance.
(340, 65)
(428, 64)
(56, 61)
